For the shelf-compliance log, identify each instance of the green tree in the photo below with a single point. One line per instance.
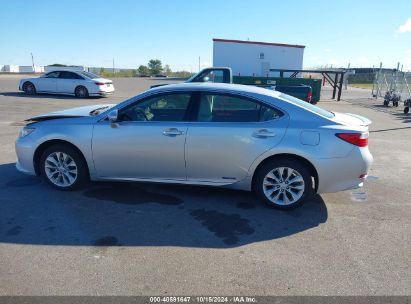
(167, 70)
(143, 70)
(155, 66)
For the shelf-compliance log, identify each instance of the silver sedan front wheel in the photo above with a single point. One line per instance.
(61, 169)
(283, 186)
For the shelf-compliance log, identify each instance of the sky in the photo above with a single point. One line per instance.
(178, 32)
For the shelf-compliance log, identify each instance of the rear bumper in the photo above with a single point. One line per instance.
(103, 92)
(338, 174)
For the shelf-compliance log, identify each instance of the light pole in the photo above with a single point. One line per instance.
(32, 61)
(114, 71)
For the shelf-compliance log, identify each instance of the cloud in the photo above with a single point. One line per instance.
(334, 61)
(406, 27)
(328, 50)
(315, 58)
(363, 60)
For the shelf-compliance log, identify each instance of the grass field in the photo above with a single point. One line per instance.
(367, 86)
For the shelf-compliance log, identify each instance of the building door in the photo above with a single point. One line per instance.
(265, 68)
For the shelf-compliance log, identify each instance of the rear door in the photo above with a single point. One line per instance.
(229, 133)
(68, 81)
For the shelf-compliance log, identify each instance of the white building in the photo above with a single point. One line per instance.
(30, 69)
(251, 58)
(9, 68)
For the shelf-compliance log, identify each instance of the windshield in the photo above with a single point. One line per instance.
(307, 106)
(90, 75)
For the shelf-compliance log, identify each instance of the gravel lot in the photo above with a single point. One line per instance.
(144, 239)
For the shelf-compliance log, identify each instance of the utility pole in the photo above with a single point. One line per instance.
(32, 61)
(114, 71)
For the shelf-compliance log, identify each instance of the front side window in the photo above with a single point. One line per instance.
(167, 107)
(53, 74)
(227, 108)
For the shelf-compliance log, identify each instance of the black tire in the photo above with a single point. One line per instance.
(82, 176)
(29, 88)
(81, 92)
(270, 166)
(396, 103)
(406, 110)
(386, 103)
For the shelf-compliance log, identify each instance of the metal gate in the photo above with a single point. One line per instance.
(392, 80)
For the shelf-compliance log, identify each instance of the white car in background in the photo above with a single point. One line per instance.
(79, 83)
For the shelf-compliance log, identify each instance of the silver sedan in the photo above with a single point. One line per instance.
(242, 137)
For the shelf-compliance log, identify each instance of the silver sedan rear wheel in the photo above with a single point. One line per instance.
(283, 183)
(283, 186)
(61, 169)
(81, 92)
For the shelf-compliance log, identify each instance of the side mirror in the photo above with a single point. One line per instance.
(113, 116)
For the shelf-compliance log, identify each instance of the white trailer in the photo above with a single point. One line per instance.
(252, 58)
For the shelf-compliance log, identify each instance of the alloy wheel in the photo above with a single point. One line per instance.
(61, 169)
(283, 186)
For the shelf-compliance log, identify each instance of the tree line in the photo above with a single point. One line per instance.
(153, 68)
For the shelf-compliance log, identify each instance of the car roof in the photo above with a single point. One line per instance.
(199, 86)
(65, 71)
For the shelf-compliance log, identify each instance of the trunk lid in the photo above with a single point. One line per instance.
(351, 119)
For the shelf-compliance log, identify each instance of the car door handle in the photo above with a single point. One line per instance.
(172, 132)
(263, 133)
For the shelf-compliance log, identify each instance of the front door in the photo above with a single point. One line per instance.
(147, 142)
(48, 83)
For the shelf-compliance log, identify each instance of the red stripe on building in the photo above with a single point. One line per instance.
(257, 42)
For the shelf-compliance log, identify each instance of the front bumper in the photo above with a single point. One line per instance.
(25, 155)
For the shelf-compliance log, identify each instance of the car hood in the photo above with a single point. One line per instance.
(351, 119)
(73, 112)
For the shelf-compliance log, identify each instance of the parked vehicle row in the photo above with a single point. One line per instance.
(79, 83)
(243, 137)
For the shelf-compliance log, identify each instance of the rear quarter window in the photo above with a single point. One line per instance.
(307, 106)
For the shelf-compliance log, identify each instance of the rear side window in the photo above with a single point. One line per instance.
(307, 106)
(69, 75)
(228, 108)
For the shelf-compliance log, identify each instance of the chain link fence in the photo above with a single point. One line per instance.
(394, 80)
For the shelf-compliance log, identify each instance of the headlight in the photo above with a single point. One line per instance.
(26, 131)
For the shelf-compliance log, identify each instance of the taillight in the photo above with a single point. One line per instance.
(357, 139)
(99, 83)
(309, 96)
